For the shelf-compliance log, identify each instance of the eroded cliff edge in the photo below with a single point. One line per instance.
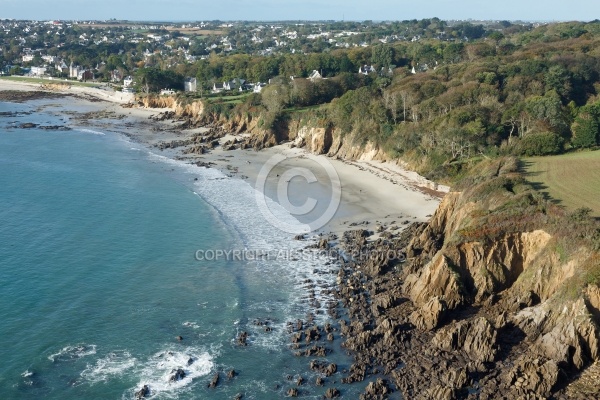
(498, 296)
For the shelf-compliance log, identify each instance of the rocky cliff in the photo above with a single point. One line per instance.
(488, 303)
(304, 132)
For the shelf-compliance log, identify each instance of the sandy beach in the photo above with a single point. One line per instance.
(374, 195)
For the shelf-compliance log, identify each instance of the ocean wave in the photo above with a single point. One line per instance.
(112, 365)
(72, 353)
(234, 200)
(27, 374)
(190, 324)
(156, 372)
(93, 132)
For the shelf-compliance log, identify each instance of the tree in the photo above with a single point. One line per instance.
(16, 70)
(275, 97)
(540, 144)
(586, 128)
(382, 55)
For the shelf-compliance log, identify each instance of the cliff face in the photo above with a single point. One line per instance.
(304, 133)
(332, 142)
(516, 280)
(490, 302)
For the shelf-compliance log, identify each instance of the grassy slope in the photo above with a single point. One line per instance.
(572, 179)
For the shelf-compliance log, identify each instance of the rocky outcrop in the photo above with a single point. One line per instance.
(429, 316)
(476, 338)
(483, 299)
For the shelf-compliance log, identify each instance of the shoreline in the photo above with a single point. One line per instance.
(377, 200)
(374, 195)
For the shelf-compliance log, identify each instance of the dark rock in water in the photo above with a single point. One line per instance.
(27, 125)
(323, 367)
(319, 381)
(215, 381)
(55, 128)
(317, 351)
(190, 361)
(231, 374)
(179, 338)
(238, 396)
(300, 381)
(299, 237)
(242, 339)
(292, 392)
(332, 393)
(143, 392)
(375, 390)
(178, 374)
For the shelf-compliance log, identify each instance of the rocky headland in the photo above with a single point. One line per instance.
(488, 303)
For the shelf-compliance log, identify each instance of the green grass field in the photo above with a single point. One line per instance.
(48, 81)
(573, 180)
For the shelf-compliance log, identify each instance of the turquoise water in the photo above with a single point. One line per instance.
(98, 274)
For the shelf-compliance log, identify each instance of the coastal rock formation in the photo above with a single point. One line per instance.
(143, 392)
(475, 337)
(484, 303)
(428, 316)
(177, 375)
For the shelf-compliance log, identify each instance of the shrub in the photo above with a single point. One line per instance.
(540, 144)
(585, 131)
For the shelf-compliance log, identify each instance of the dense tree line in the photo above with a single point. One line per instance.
(498, 95)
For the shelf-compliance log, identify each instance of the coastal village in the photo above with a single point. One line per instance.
(61, 49)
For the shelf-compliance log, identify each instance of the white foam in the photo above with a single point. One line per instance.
(112, 365)
(235, 201)
(93, 132)
(158, 369)
(71, 353)
(27, 374)
(191, 324)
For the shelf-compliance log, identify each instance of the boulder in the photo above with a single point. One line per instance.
(476, 338)
(177, 374)
(429, 316)
(214, 382)
(143, 392)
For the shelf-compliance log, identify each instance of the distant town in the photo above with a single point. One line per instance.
(165, 58)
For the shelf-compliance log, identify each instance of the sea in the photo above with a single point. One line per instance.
(110, 251)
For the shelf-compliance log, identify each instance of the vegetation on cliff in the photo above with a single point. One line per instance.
(523, 93)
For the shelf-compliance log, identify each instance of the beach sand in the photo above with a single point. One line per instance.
(374, 195)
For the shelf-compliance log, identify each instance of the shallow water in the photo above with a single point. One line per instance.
(99, 274)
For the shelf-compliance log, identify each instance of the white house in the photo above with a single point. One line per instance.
(74, 70)
(167, 92)
(366, 69)
(38, 71)
(189, 85)
(315, 75)
(217, 88)
(258, 87)
(128, 81)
